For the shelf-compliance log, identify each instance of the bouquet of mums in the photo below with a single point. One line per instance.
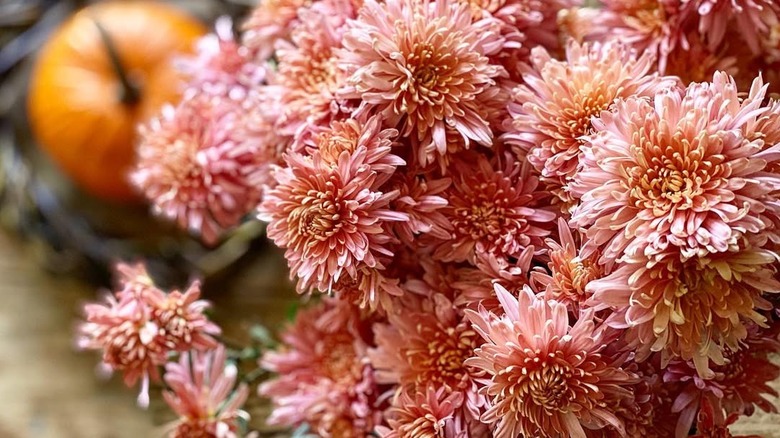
(506, 218)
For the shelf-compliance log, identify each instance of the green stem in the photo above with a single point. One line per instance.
(129, 93)
(253, 375)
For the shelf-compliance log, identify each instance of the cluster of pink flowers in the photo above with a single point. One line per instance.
(140, 329)
(526, 218)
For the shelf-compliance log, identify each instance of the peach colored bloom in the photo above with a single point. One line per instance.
(350, 134)
(307, 77)
(708, 426)
(201, 166)
(202, 393)
(476, 286)
(677, 172)
(428, 343)
(422, 65)
(323, 377)
(180, 319)
(429, 413)
(494, 207)
(753, 18)
(694, 308)
(420, 197)
(330, 218)
(547, 378)
(553, 108)
(369, 289)
(271, 21)
(223, 66)
(653, 26)
(735, 388)
(127, 336)
(570, 271)
(698, 63)
(139, 325)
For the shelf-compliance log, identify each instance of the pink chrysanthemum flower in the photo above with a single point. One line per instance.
(179, 317)
(654, 26)
(678, 171)
(202, 393)
(476, 286)
(126, 334)
(698, 63)
(369, 289)
(330, 218)
(181, 321)
(736, 387)
(535, 21)
(201, 165)
(570, 271)
(547, 378)
(132, 281)
(422, 65)
(139, 325)
(421, 198)
(429, 413)
(709, 426)
(416, 348)
(308, 77)
(269, 22)
(324, 378)
(525, 24)
(494, 208)
(223, 67)
(649, 414)
(753, 18)
(553, 108)
(692, 308)
(434, 278)
(350, 134)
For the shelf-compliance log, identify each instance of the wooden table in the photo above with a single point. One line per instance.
(48, 390)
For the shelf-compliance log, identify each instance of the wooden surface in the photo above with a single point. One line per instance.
(48, 390)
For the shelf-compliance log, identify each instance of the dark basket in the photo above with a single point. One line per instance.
(71, 231)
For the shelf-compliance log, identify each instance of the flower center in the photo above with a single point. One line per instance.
(193, 429)
(572, 274)
(734, 370)
(428, 70)
(339, 360)
(441, 360)
(127, 348)
(647, 16)
(672, 178)
(578, 118)
(548, 387)
(322, 74)
(332, 144)
(482, 215)
(318, 217)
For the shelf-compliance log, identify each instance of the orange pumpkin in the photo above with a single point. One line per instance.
(107, 69)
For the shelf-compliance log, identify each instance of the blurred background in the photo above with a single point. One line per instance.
(66, 215)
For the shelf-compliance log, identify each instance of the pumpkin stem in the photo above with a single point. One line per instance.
(129, 93)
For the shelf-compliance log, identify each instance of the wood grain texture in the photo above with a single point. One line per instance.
(48, 390)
